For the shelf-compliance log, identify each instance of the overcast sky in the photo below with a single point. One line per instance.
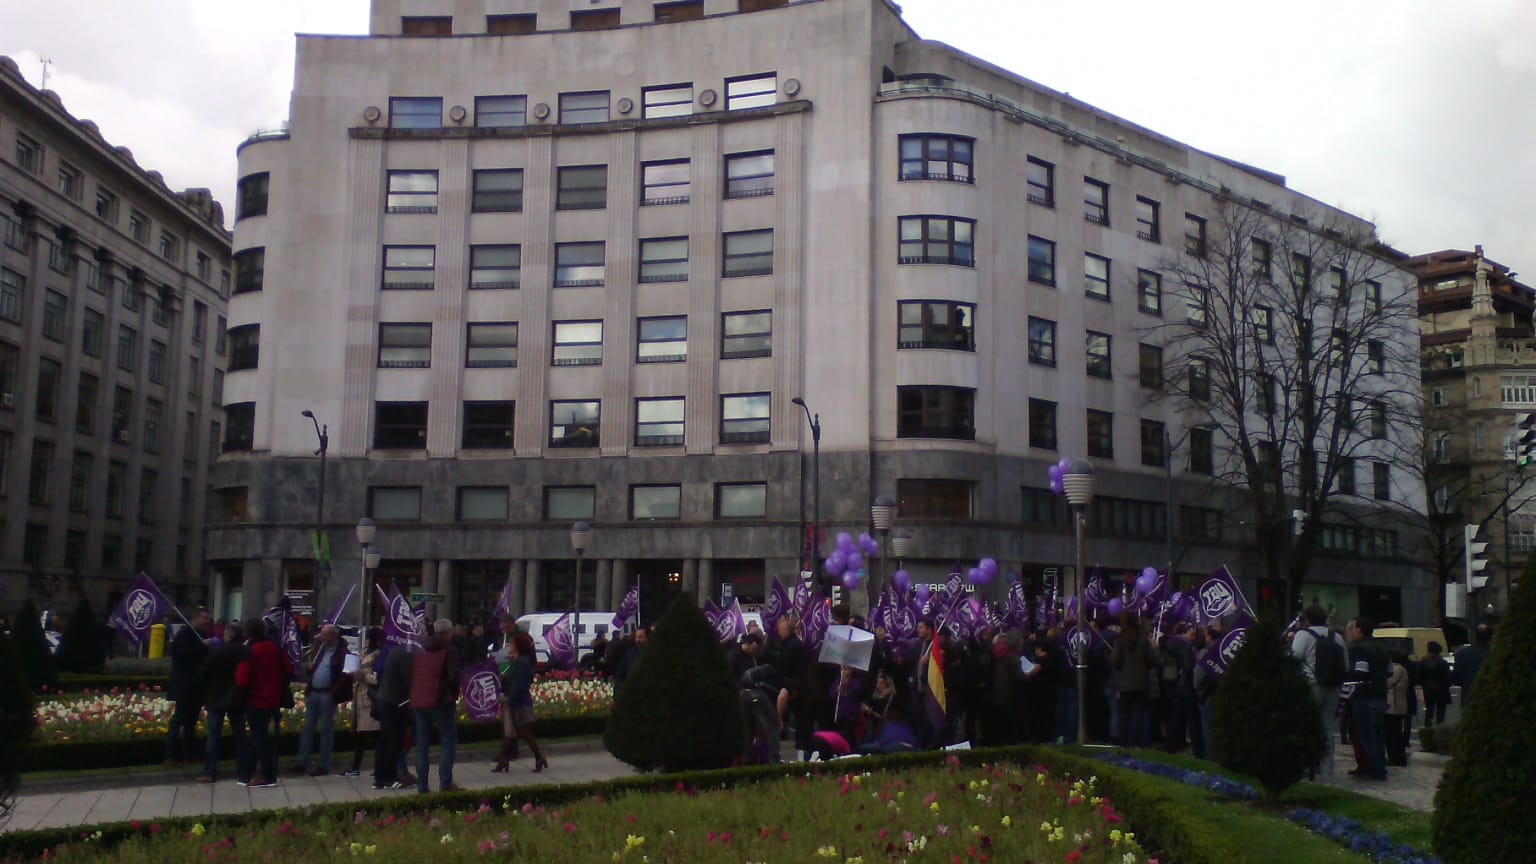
(1415, 113)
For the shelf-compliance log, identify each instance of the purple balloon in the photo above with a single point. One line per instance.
(850, 580)
(923, 592)
(844, 542)
(1145, 583)
(1149, 572)
(839, 556)
(1056, 487)
(835, 565)
(974, 576)
(1054, 472)
(1064, 464)
(987, 566)
(853, 560)
(868, 544)
(901, 580)
(1115, 607)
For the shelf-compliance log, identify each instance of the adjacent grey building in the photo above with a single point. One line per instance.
(534, 265)
(112, 344)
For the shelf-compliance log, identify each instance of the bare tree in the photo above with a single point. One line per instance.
(1297, 344)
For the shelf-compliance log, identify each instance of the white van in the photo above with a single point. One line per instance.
(537, 624)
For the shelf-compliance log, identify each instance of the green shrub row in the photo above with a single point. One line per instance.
(1438, 739)
(1176, 833)
(150, 750)
(72, 683)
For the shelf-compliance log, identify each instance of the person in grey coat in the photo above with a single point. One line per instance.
(1136, 664)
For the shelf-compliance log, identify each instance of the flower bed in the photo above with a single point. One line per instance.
(1189, 777)
(1349, 834)
(940, 812)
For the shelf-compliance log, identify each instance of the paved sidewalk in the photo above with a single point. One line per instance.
(1412, 787)
(568, 763)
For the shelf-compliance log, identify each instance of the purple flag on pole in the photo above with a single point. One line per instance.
(800, 603)
(729, 623)
(711, 612)
(1094, 593)
(629, 610)
(504, 602)
(401, 629)
(1219, 656)
(814, 625)
(1017, 616)
(140, 608)
(778, 604)
(481, 688)
(562, 642)
(334, 616)
(1218, 596)
(285, 631)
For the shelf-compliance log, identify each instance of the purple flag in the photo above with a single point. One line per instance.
(562, 642)
(1094, 593)
(285, 631)
(401, 629)
(504, 602)
(140, 608)
(901, 621)
(729, 623)
(335, 614)
(629, 610)
(955, 585)
(800, 603)
(778, 604)
(814, 625)
(481, 688)
(1218, 596)
(1219, 655)
(711, 611)
(1017, 616)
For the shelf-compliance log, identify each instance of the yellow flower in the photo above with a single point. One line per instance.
(370, 849)
(1116, 835)
(447, 838)
(633, 841)
(934, 807)
(1007, 821)
(826, 852)
(198, 830)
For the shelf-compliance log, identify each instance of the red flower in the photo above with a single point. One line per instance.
(1073, 856)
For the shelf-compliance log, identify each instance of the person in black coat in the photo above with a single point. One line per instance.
(188, 649)
(222, 698)
(746, 656)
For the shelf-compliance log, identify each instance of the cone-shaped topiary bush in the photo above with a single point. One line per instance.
(679, 707)
(1264, 721)
(32, 649)
(17, 723)
(1483, 805)
(80, 648)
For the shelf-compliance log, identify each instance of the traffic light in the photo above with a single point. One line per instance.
(1475, 560)
(1525, 438)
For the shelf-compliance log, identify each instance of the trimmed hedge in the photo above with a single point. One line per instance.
(1163, 829)
(150, 750)
(1440, 738)
(72, 683)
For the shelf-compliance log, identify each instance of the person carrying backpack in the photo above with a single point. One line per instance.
(1324, 662)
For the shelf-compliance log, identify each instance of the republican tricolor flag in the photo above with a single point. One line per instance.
(937, 699)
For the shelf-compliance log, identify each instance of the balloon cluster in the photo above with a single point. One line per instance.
(847, 558)
(984, 571)
(1057, 472)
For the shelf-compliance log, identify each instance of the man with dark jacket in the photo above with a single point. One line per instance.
(328, 686)
(746, 656)
(188, 649)
(1183, 709)
(1469, 659)
(392, 704)
(631, 654)
(222, 697)
(1370, 667)
(434, 693)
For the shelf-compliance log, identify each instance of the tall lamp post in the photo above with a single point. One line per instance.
(323, 433)
(815, 424)
(1078, 483)
(579, 532)
(366, 530)
(882, 512)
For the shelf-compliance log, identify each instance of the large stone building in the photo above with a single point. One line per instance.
(1479, 365)
(533, 265)
(112, 299)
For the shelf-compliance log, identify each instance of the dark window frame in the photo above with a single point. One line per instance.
(496, 200)
(645, 434)
(505, 277)
(936, 411)
(742, 181)
(493, 353)
(576, 188)
(566, 272)
(957, 332)
(753, 338)
(396, 426)
(1150, 366)
(641, 340)
(657, 268)
(1100, 441)
(501, 111)
(1042, 269)
(488, 424)
(652, 109)
(1149, 219)
(649, 186)
(748, 98)
(586, 435)
(1100, 363)
(947, 249)
(937, 157)
(744, 429)
(419, 109)
(575, 357)
(1042, 424)
(1042, 341)
(409, 354)
(755, 262)
(406, 200)
(252, 196)
(1038, 191)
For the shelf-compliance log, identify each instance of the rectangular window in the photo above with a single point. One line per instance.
(483, 503)
(594, 19)
(394, 503)
(405, 346)
(122, 414)
(1095, 276)
(71, 182)
(133, 299)
(1099, 365)
(1042, 424)
(204, 267)
(655, 502)
(1378, 412)
(1201, 451)
(1381, 481)
(1154, 450)
(1346, 475)
(937, 324)
(752, 91)
(250, 269)
(12, 234)
(935, 499)
(1263, 259)
(1372, 296)
(1264, 325)
(664, 259)
(749, 175)
(1042, 341)
(1197, 306)
(49, 373)
(416, 112)
(659, 422)
(250, 195)
(574, 423)
(1147, 227)
(152, 412)
(156, 361)
(682, 11)
(1150, 373)
(1042, 260)
(1040, 176)
(58, 253)
(936, 412)
(501, 112)
(938, 157)
(748, 253)
(1268, 457)
(426, 25)
(29, 154)
(138, 226)
(662, 340)
(218, 387)
(161, 310)
(665, 182)
(579, 265)
(1194, 235)
(400, 425)
(411, 192)
(96, 275)
(244, 347)
(5, 461)
(240, 426)
(491, 346)
(498, 266)
(13, 287)
(746, 334)
(1101, 434)
(671, 100)
(1096, 201)
(566, 503)
(587, 107)
(409, 267)
(80, 482)
(741, 500)
(55, 315)
(497, 190)
(936, 240)
(85, 403)
(511, 25)
(128, 348)
(578, 343)
(488, 425)
(744, 418)
(42, 470)
(1200, 523)
(10, 374)
(581, 187)
(1376, 357)
(1265, 391)
(1199, 378)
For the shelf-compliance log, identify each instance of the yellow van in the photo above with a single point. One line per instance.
(1414, 641)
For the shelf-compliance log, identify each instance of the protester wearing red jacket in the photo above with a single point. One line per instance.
(261, 678)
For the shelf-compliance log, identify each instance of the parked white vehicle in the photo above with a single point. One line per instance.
(538, 624)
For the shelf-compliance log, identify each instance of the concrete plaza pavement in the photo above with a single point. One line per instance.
(1412, 787)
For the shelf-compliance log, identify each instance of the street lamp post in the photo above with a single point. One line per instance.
(882, 512)
(579, 532)
(366, 531)
(1078, 483)
(815, 423)
(323, 433)
(901, 544)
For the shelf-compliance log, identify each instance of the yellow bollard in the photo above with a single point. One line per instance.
(157, 641)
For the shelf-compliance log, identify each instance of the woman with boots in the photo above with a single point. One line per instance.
(517, 705)
(365, 719)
